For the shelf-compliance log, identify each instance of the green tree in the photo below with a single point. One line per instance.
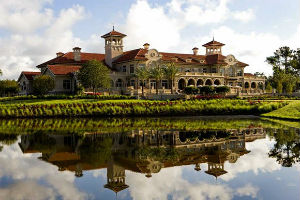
(142, 74)
(9, 87)
(282, 59)
(170, 72)
(94, 74)
(157, 73)
(43, 85)
(269, 87)
(1, 73)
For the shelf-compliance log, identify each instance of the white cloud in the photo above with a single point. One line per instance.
(23, 49)
(247, 190)
(27, 171)
(244, 16)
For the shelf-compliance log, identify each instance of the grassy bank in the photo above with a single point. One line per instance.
(290, 111)
(103, 108)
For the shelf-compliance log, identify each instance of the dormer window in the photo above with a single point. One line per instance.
(202, 61)
(188, 60)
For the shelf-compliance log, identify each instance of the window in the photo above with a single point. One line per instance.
(239, 73)
(164, 84)
(204, 70)
(131, 70)
(124, 68)
(132, 83)
(200, 70)
(240, 84)
(214, 70)
(66, 84)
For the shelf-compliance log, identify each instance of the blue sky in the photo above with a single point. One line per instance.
(32, 31)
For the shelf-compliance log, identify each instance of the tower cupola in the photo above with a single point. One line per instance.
(113, 46)
(213, 47)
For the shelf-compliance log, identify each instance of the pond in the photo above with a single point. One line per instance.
(150, 158)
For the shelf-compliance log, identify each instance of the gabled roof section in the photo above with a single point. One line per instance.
(63, 69)
(29, 75)
(213, 43)
(136, 54)
(113, 33)
(68, 58)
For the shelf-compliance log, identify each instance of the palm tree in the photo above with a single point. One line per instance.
(142, 74)
(170, 72)
(157, 73)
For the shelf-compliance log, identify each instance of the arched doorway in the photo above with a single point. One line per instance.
(246, 85)
(181, 84)
(217, 82)
(199, 82)
(191, 82)
(253, 85)
(208, 82)
(261, 86)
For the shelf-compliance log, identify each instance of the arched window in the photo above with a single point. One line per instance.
(246, 85)
(253, 85)
(217, 82)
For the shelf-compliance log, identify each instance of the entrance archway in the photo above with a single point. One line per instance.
(208, 82)
(199, 82)
(246, 85)
(181, 84)
(253, 85)
(191, 82)
(217, 82)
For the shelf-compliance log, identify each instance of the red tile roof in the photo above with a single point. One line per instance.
(248, 74)
(213, 43)
(113, 33)
(68, 58)
(30, 75)
(63, 69)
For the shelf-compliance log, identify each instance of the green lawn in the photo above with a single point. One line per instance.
(290, 111)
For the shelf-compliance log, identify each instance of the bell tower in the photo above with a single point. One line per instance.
(113, 46)
(213, 47)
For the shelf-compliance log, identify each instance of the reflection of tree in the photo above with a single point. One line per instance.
(160, 154)
(95, 151)
(287, 147)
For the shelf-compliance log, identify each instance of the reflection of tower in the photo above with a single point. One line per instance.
(115, 177)
(216, 169)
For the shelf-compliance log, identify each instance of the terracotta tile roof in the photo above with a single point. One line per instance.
(63, 69)
(68, 58)
(213, 43)
(248, 74)
(30, 75)
(113, 33)
(136, 54)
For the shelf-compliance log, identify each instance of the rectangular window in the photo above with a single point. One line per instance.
(214, 70)
(66, 84)
(132, 83)
(164, 84)
(239, 73)
(131, 69)
(124, 68)
(204, 70)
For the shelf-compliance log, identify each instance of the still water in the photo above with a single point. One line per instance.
(152, 158)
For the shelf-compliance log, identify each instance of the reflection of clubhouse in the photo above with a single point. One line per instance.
(144, 152)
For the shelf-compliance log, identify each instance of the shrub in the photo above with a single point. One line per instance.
(191, 90)
(207, 90)
(43, 85)
(222, 89)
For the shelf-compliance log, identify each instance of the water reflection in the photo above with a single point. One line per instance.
(221, 153)
(140, 151)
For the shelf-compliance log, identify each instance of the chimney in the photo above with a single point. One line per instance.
(77, 53)
(58, 54)
(195, 51)
(146, 46)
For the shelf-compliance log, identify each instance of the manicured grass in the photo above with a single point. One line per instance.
(290, 111)
(104, 108)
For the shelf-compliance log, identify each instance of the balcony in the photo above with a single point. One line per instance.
(201, 74)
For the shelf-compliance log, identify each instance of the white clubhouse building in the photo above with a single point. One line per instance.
(213, 68)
